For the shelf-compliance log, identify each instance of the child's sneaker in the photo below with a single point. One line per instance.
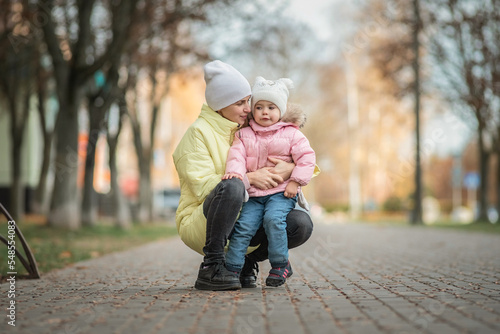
(278, 276)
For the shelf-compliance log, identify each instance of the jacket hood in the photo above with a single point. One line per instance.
(295, 115)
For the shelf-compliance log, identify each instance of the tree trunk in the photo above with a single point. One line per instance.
(17, 127)
(484, 160)
(64, 209)
(89, 201)
(16, 188)
(17, 92)
(144, 211)
(498, 186)
(40, 203)
(145, 194)
(15, 191)
(121, 209)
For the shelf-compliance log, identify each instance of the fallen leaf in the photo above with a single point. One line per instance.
(65, 255)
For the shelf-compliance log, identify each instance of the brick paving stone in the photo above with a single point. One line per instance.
(348, 278)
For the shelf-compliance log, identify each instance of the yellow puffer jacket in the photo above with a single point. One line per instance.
(200, 160)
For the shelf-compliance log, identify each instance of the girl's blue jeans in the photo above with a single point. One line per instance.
(271, 212)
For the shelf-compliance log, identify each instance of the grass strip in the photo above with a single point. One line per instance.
(57, 248)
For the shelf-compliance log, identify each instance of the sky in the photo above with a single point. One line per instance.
(314, 13)
(330, 19)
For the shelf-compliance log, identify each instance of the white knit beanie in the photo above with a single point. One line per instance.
(272, 91)
(225, 85)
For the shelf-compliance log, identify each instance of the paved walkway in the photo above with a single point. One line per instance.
(347, 279)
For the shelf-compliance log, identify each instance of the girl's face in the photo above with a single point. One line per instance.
(237, 112)
(266, 113)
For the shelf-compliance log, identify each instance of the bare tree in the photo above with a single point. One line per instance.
(69, 38)
(467, 54)
(273, 45)
(152, 64)
(396, 50)
(18, 65)
(43, 78)
(159, 44)
(99, 103)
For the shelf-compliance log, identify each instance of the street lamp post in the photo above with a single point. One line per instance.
(353, 121)
(416, 217)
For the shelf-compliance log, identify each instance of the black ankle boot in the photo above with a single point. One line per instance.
(216, 277)
(249, 273)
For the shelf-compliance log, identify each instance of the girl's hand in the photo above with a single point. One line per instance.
(231, 175)
(291, 189)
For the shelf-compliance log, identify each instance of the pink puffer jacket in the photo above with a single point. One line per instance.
(254, 144)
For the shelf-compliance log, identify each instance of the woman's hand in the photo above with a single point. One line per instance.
(269, 177)
(263, 179)
(282, 168)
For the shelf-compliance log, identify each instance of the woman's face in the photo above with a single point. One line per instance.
(237, 112)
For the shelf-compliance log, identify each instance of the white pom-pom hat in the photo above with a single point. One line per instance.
(276, 91)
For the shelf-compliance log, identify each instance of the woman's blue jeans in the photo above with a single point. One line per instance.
(269, 211)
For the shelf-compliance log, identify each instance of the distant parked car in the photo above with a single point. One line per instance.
(166, 202)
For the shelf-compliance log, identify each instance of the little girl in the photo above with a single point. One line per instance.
(273, 132)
